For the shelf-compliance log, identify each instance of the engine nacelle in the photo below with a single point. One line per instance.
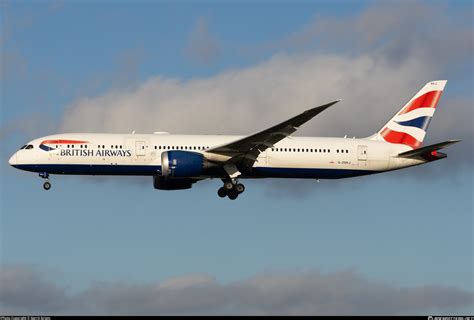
(163, 183)
(182, 164)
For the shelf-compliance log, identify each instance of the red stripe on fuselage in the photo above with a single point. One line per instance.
(428, 100)
(399, 137)
(64, 142)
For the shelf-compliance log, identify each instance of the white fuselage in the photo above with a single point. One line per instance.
(140, 154)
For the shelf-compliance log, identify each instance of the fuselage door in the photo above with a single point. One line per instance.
(362, 153)
(140, 148)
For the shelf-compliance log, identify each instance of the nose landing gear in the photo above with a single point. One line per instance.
(46, 184)
(231, 189)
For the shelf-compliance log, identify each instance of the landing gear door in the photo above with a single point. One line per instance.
(362, 155)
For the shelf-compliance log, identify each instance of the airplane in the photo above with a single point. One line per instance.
(178, 161)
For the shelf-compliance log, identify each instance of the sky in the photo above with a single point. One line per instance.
(394, 243)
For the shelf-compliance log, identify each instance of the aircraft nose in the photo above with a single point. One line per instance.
(13, 160)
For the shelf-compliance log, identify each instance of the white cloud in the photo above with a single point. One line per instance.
(251, 99)
(26, 291)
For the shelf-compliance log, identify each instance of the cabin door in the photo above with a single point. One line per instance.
(362, 155)
(140, 148)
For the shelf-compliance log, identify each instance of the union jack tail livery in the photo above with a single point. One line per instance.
(409, 125)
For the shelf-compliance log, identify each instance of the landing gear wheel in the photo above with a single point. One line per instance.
(239, 188)
(47, 185)
(222, 192)
(228, 185)
(233, 195)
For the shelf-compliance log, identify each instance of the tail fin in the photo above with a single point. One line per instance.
(409, 125)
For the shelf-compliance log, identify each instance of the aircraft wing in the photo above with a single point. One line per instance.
(246, 150)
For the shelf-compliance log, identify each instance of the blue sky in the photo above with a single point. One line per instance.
(68, 66)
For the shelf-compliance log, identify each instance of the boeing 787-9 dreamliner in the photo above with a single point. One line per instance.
(178, 161)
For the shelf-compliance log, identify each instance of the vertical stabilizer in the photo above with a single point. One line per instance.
(409, 125)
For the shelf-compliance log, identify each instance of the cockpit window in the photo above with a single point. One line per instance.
(23, 147)
(28, 147)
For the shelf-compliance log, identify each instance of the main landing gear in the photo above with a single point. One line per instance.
(231, 189)
(46, 184)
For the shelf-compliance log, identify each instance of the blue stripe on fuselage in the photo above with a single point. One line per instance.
(119, 170)
(309, 173)
(143, 170)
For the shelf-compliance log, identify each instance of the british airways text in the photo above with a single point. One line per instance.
(97, 153)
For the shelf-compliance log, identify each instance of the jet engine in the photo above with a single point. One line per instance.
(183, 164)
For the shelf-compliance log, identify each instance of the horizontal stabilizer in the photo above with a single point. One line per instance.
(428, 152)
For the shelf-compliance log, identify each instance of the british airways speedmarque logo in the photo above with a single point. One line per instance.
(47, 145)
